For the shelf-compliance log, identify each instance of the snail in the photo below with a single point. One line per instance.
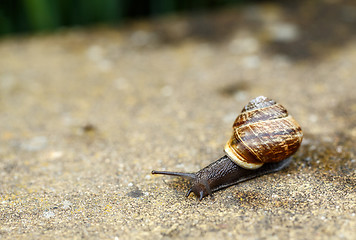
(264, 138)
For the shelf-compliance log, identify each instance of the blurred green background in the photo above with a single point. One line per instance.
(24, 16)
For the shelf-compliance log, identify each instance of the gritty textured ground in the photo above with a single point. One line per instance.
(85, 115)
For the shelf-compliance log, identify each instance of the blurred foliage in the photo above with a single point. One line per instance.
(47, 15)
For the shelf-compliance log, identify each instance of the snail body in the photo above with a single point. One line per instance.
(263, 140)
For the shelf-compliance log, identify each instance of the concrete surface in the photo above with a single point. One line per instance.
(86, 114)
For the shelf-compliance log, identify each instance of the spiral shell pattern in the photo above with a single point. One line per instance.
(264, 132)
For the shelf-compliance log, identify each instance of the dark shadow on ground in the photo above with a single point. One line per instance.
(322, 26)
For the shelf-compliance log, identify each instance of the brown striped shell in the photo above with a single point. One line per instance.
(264, 132)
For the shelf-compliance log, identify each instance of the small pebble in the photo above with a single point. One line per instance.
(35, 144)
(339, 149)
(48, 214)
(55, 154)
(284, 32)
(252, 61)
(66, 204)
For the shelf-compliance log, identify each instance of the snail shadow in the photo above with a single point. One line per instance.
(322, 170)
(325, 155)
(328, 160)
(318, 164)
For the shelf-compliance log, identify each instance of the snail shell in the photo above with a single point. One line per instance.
(264, 132)
(264, 137)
